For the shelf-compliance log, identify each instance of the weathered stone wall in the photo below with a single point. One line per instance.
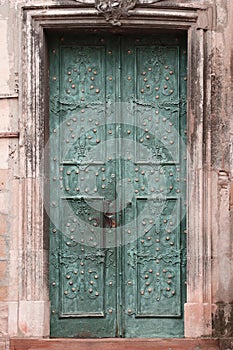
(218, 128)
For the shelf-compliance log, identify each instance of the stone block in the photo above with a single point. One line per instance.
(34, 318)
(8, 114)
(198, 314)
(3, 269)
(3, 318)
(4, 153)
(13, 272)
(4, 58)
(4, 209)
(3, 224)
(3, 248)
(3, 345)
(13, 319)
(3, 293)
(4, 176)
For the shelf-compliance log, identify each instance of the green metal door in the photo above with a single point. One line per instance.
(117, 185)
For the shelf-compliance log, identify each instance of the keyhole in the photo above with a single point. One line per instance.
(113, 223)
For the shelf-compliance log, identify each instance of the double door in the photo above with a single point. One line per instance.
(117, 185)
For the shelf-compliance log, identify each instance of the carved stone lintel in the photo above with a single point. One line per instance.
(113, 10)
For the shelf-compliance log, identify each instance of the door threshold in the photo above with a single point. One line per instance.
(114, 344)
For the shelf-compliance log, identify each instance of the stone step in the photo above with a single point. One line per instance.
(114, 344)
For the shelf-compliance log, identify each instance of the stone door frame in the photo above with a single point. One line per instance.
(197, 20)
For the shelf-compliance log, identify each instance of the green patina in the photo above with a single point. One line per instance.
(118, 183)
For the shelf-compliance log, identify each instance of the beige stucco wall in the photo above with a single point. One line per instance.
(219, 67)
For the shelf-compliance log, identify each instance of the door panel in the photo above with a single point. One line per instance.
(117, 185)
(153, 280)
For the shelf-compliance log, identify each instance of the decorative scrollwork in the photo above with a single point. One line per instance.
(114, 9)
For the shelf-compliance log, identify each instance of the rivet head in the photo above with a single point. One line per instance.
(129, 311)
(110, 311)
